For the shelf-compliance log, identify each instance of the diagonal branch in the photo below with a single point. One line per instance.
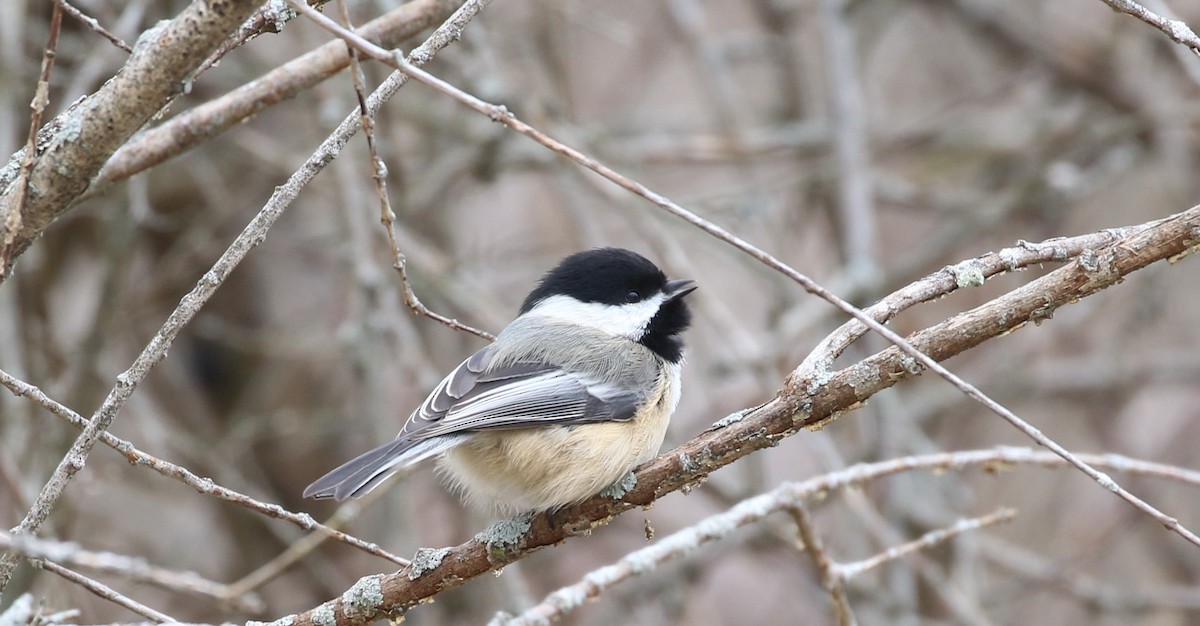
(968, 273)
(1177, 30)
(846, 571)
(105, 592)
(94, 24)
(827, 570)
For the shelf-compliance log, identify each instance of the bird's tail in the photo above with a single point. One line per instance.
(363, 473)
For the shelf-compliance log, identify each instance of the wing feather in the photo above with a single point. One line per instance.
(476, 396)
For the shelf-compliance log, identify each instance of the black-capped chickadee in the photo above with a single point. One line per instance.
(574, 393)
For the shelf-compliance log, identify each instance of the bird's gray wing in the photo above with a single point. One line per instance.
(476, 396)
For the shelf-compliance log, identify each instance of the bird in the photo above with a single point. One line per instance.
(573, 394)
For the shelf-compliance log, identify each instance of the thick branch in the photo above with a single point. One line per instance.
(74, 146)
(969, 273)
(1036, 301)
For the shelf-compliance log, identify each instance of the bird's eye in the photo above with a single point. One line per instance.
(633, 296)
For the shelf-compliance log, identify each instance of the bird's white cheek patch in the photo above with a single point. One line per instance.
(624, 320)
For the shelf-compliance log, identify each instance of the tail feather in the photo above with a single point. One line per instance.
(363, 473)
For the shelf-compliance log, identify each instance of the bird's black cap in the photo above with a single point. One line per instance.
(604, 275)
(616, 276)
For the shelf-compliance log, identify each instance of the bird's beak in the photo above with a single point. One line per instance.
(679, 288)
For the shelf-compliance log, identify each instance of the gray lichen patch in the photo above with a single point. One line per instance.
(505, 536)
(967, 274)
(426, 559)
(324, 615)
(365, 595)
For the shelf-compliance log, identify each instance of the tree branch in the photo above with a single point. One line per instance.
(73, 147)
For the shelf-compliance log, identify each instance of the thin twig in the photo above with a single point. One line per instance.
(270, 18)
(206, 486)
(136, 569)
(1190, 66)
(1177, 30)
(94, 24)
(847, 571)
(922, 571)
(105, 592)
(41, 98)
(387, 217)
(301, 548)
(831, 579)
(502, 115)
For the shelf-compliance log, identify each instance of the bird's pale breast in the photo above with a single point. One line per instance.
(548, 467)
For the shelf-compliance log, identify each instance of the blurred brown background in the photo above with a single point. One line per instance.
(983, 122)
